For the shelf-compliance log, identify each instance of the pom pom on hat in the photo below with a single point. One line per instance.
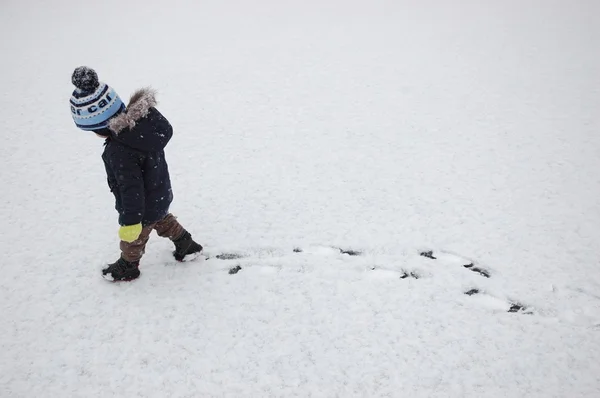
(85, 79)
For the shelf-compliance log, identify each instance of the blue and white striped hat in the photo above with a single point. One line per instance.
(93, 103)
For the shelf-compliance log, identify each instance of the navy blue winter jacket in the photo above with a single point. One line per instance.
(135, 162)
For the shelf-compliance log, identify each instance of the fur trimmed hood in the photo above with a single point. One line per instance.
(141, 126)
(139, 105)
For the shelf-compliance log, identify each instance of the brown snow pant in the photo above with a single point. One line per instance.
(168, 227)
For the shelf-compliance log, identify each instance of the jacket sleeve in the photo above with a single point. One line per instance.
(127, 170)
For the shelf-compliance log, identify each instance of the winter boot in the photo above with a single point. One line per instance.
(121, 270)
(185, 245)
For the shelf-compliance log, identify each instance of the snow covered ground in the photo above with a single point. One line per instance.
(465, 128)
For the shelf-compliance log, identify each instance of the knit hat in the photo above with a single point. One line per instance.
(93, 103)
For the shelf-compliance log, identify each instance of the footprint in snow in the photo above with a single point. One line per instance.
(458, 260)
(453, 259)
(495, 302)
(390, 273)
(235, 270)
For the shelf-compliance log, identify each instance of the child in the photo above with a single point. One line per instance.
(135, 138)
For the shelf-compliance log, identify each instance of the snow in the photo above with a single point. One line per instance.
(467, 128)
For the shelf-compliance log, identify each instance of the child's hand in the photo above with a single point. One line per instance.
(130, 233)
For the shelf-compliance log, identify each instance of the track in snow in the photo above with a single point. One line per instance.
(241, 260)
